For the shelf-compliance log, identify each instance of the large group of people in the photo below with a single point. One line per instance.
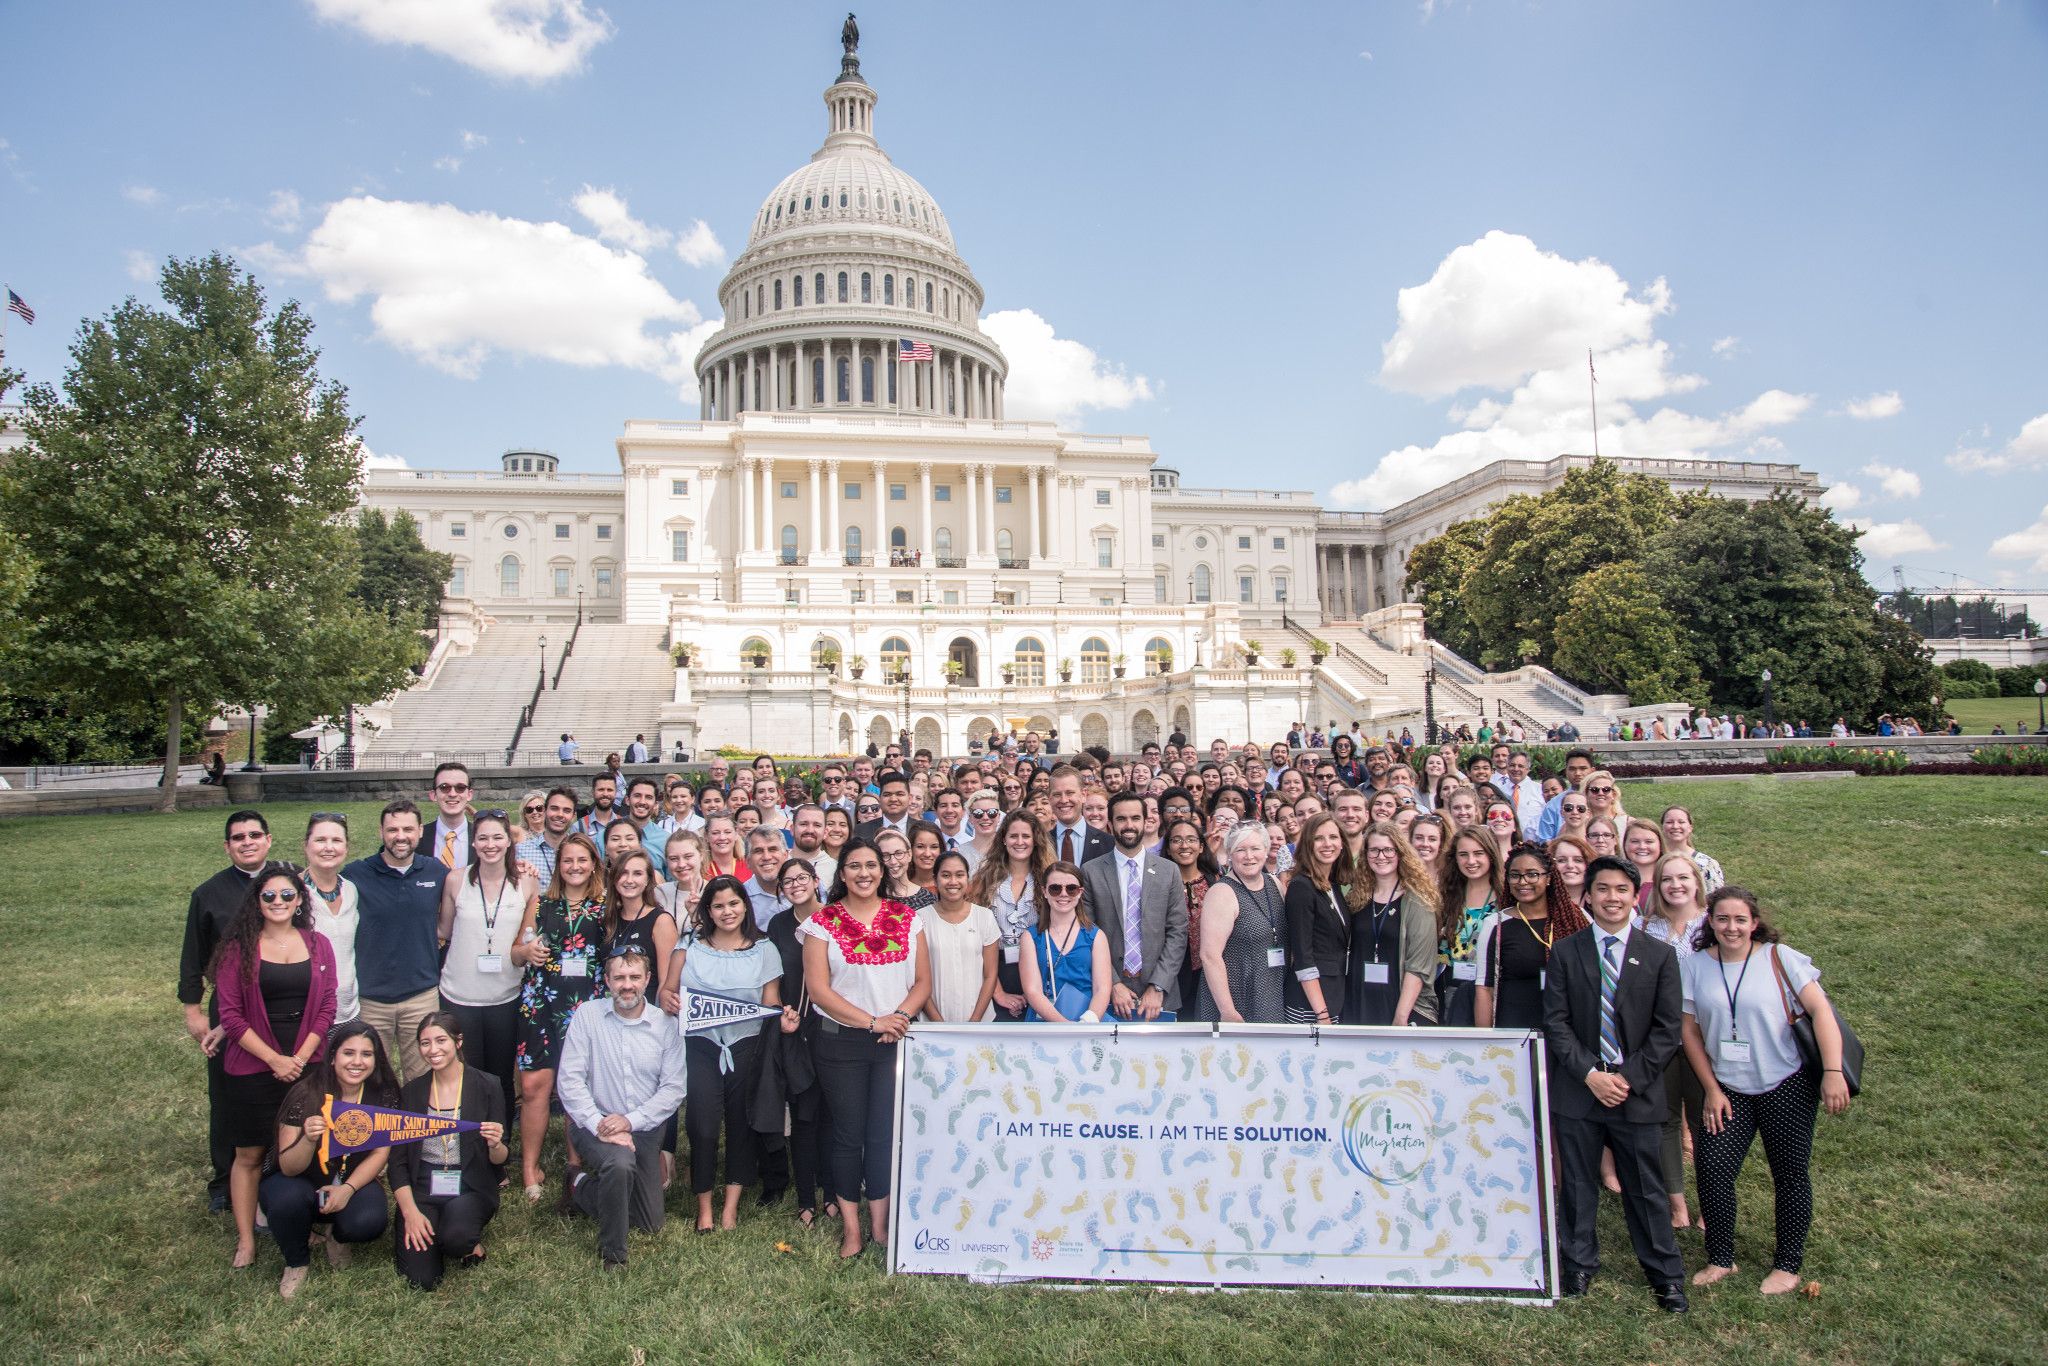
(497, 966)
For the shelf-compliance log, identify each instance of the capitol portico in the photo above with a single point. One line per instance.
(853, 538)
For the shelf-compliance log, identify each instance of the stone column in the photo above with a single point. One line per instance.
(924, 510)
(817, 512)
(747, 523)
(768, 540)
(973, 519)
(959, 392)
(1372, 580)
(880, 548)
(1034, 547)
(988, 503)
(835, 545)
(725, 408)
(803, 380)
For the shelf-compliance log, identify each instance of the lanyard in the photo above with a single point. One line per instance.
(460, 1082)
(1381, 912)
(1541, 937)
(491, 913)
(1258, 899)
(1732, 1032)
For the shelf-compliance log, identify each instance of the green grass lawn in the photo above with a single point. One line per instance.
(1921, 898)
(1979, 714)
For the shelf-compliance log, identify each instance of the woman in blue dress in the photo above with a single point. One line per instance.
(1065, 963)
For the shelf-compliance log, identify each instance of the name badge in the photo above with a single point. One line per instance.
(576, 964)
(1465, 972)
(444, 1183)
(1276, 958)
(1009, 953)
(1733, 1050)
(1376, 974)
(490, 962)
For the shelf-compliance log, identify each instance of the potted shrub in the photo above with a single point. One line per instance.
(857, 666)
(1066, 671)
(760, 659)
(681, 652)
(1118, 665)
(1009, 674)
(828, 659)
(955, 671)
(1162, 659)
(1287, 657)
(1318, 650)
(1251, 654)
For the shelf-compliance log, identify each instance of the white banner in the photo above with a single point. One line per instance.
(1395, 1159)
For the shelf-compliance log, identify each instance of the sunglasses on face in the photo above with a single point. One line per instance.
(987, 814)
(1575, 808)
(242, 835)
(452, 789)
(530, 811)
(279, 894)
(1601, 791)
(1063, 889)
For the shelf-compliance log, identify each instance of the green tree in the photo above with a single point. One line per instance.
(1907, 681)
(401, 578)
(1436, 572)
(186, 494)
(1617, 635)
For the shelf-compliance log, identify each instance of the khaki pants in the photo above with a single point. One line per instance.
(398, 1024)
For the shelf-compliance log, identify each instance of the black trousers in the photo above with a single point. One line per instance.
(490, 1042)
(1783, 1117)
(722, 1098)
(1639, 1165)
(220, 1143)
(859, 1077)
(458, 1223)
(292, 1204)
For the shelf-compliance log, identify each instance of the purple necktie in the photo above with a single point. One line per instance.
(1133, 958)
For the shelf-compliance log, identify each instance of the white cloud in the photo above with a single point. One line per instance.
(532, 40)
(2028, 450)
(140, 265)
(472, 141)
(607, 212)
(1887, 404)
(372, 460)
(450, 164)
(1056, 377)
(1888, 540)
(453, 288)
(284, 211)
(146, 195)
(2029, 544)
(1842, 497)
(1895, 482)
(1503, 316)
(1727, 348)
(700, 246)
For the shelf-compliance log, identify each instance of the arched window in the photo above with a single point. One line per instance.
(818, 375)
(853, 545)
(842, 286)
(1201, 583)
(897, 202)
(942, 540)
(1005, 544)
(842, 197)
(867, 288)
(897, 539)
(1095, 660)
(867, 379)
(818, 293)
(895, 657)
(746, 302)
(789, 544)
(888, 289)
(755, 653)
(761, 297)
(843, 381)
(1158, 650)
(1031, 662)
(818, 649)
(807, 203)
(910, 291)
(778, 296)
(945, 302)
(927, 296)
(796, 289)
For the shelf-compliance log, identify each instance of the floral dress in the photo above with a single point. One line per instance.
(570, 975)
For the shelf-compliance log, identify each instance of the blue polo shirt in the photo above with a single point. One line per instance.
(398, 949)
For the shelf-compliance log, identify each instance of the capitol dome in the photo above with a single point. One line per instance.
(850, 294)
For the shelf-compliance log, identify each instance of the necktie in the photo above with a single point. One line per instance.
(448, 848)
(1610, 974)
(1067, 846)
(1133, 935)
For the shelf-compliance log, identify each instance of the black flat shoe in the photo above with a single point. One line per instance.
(1577, 1282)
(770, 1198)
(1671, 1298)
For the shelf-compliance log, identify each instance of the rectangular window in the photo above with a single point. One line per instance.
(906, 595)
(1002, 493)
(857, 595)
(942, 493)
(1244, 543)
(1244, 588)
(604, 583)
(1102, 498)
(1159, 587)
(561, 583)
(853, 493)
(789, 488)
(561, 531)
(679, 488)
(604, 533)
(792, 597)
(1105, 552)
(1279, 543)
(899, 493)
(1158, 541)
(952, 597)
(458, 583)
(1104, 602)
(1006, 597)
(1280, 590)
(679, 545)
(458, 530)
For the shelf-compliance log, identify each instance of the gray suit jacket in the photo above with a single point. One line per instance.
(1162, 915)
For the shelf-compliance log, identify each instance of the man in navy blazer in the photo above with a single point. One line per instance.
(1145, 983)
(1607, 1066)
(1073, 839)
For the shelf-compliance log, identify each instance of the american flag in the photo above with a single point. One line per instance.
(19, 306)
(906, 349)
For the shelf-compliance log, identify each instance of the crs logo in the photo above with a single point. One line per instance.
(1387, 1136)
(927, 1241)
(1041, 1248)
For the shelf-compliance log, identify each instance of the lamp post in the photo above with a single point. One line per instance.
(348, 737)
(252, 766)
(2040, 714)
(579, 604)
(1429, 704)
(543, 662)
(1770, 714)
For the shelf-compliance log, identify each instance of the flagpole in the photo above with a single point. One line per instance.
(1593, 394)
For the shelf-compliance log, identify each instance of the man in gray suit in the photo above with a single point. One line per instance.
(1135, 898)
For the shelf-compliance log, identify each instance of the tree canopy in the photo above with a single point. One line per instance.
(1616, 582)
(185, 498)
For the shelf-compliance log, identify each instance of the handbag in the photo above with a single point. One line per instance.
(1809, 1044)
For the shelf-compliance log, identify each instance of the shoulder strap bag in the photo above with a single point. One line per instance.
(1808, 1043)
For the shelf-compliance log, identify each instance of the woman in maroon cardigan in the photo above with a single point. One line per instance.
(274, 979)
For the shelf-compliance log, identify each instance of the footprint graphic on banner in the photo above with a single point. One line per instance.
(1386, 1228)
(1201, 1192)
(1180, 1204)
(981, 1129)
(1037, 1203)
(1425, 1217)
(1436, 1248)
(1319, 1227)
(1251, 1111)
(1315, 1184)
(980, 1175)
(1080, 1167)
(1076, 1205)
(966, 1214)
(1236, 1162)
(1479, 1225)
(961, 1153)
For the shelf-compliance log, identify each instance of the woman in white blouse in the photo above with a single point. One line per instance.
(334, 904)
(1739, 1037)
(963, 939)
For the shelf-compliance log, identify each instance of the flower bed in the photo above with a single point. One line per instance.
(1873, 762)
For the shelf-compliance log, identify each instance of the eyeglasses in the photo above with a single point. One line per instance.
(242, 835)
(1526, 875)
(1575, 808)
(987, 813)
(1607, 791)
(530, 811)
(452, 789)
(280, 894)
(867, 811)
(1063, 889)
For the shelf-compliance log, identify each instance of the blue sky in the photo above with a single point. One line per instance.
(1364, 246)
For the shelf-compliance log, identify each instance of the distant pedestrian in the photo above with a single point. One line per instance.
(566, 751)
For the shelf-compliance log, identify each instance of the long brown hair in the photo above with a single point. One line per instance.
(1451, 910)
(611, 903)
(995, 869)
(1304, 854)
(595, 890)
(1411, 871)
(247, 926)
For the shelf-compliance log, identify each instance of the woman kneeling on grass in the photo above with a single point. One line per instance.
(447, 1187)
(301, 1190)
(1738, 1036)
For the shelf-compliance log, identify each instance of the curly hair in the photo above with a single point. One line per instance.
(247, 925)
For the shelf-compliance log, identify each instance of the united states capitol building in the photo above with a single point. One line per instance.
(854, 539)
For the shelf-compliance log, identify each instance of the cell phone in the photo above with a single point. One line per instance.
(320, 1197)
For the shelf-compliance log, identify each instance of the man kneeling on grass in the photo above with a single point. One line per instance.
(621, 1080)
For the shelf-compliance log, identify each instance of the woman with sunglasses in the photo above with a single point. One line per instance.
(1677, 827)
(1009, 884)
(531, 807)
(1391, 906)
(1676, 912)
(868, 972)
(1514, 944)
(867, 807)
(1065, 963)
(558, 947)
(1473, 888)
(1501, 823)
(273, 978)
(810, 1143)
(1243, 950)
(301, 1190)
(447, 1187)
(334, 902)
(1344, 756)
(481, 913)
(1574, 809)
(1604, 797)
(984, 813)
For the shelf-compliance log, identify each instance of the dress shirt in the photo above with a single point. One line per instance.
(1079, 830)
(767, 905)
(448, 843)
(615, 1066)
(538, 852)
